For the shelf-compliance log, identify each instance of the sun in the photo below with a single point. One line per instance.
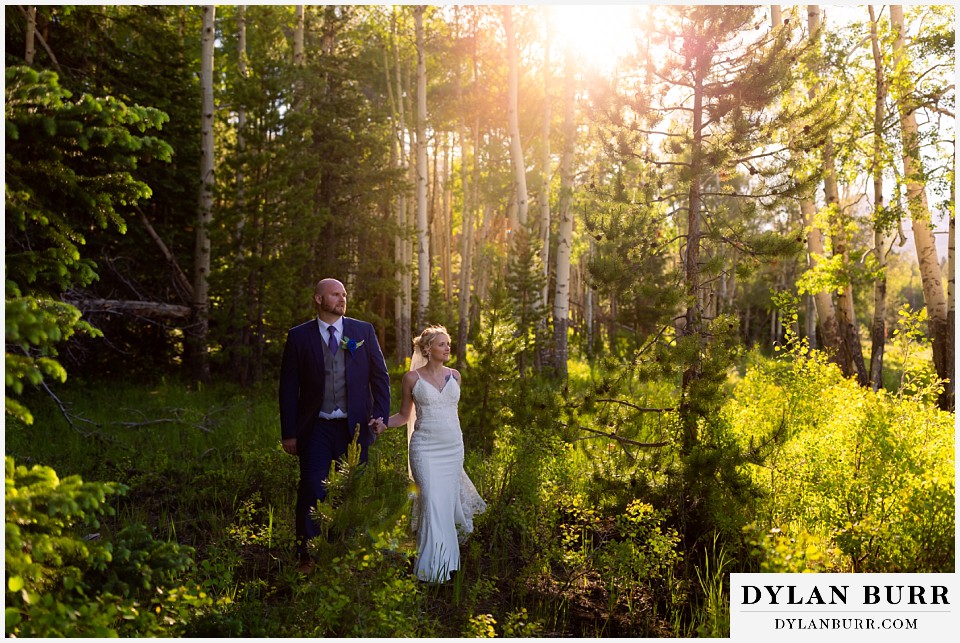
(600, 34)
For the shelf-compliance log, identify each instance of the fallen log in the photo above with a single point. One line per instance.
(147, 309)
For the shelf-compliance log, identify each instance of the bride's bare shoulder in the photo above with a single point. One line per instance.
(410, 377)
(456, 374)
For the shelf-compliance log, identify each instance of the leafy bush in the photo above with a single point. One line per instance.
(68, 171)
(363, 586)
(870, 474)
(63, 579)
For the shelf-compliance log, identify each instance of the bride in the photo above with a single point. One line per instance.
(446, 498)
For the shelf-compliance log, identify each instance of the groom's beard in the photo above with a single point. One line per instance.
(338, 309)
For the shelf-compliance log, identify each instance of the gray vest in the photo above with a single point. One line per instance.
(334, 378)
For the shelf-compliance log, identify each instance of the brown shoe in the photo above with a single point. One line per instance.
(306, 566)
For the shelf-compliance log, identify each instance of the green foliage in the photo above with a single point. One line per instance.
(794, 553)
(641, 556)
(518, 625)
(33, 328)
(490, 376)
(630, 258)
(481, 626)
(68, 170)
(918, 377)
(63, 579)
(868, 474)
(524, 283)
(365, 591)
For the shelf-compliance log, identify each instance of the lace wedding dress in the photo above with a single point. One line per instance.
(447, 498)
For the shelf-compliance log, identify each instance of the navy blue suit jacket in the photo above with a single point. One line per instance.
(302, 379)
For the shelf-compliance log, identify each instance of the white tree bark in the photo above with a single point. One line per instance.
(31, 35)
(397, 156)
(423, 232)
(298, 52)
(402, 244)
(923, 237)
(846, 315)
(561, 301)
(516, 149)
(201, 302)
(545, 170)
(826, 312)
(409, 215)
(466, 233)
(470, 201)
(446, 255)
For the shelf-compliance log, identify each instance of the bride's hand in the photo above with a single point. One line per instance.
(379, 426)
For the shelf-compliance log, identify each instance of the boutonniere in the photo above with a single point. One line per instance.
(351, 344)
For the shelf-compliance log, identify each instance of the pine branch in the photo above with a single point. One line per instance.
(642, 409)
(622, 440)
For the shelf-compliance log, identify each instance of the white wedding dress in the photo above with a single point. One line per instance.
(446, 496)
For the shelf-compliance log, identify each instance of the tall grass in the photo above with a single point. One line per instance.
(582, 535)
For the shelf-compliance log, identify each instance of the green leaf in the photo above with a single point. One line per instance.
(12, 617)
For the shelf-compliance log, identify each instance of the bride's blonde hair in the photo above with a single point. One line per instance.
(422, 343)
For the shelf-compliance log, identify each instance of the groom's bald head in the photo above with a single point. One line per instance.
(331, 299)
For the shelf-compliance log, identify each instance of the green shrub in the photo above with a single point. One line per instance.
(363, 586)
(64, 579)
(872, 473)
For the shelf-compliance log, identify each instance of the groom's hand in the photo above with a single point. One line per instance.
(289, 445)
(378, 425)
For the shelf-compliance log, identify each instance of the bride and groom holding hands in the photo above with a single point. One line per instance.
(333, 377)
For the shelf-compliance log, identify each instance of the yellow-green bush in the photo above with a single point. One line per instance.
(871, 473)
(63, 579)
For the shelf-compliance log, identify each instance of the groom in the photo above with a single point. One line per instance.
(333, 378)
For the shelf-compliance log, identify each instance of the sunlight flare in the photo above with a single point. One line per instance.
(600, 34)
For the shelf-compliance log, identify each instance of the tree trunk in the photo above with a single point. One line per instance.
(397, 155)
(240, 336)
(410, 217)
(692, 325)
(423, 240)
(776, 18)
(810, 320)
(298, 51)
(241, 116)
(588, 303)
(144, 309)
(201, 302)
(446, 256)
(878, 331)
(545, 173)
(826, 312)
(542, 348)
(950, 392)
(516, 149)
(31, 35)
(398, 237)
(822, 301)
(433, 192)
(937, 314)
(561, 300)
(846, 315)
(466, 233)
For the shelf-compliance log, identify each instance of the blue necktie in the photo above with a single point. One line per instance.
(333, 340)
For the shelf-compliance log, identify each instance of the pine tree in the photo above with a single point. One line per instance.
(68, 173)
